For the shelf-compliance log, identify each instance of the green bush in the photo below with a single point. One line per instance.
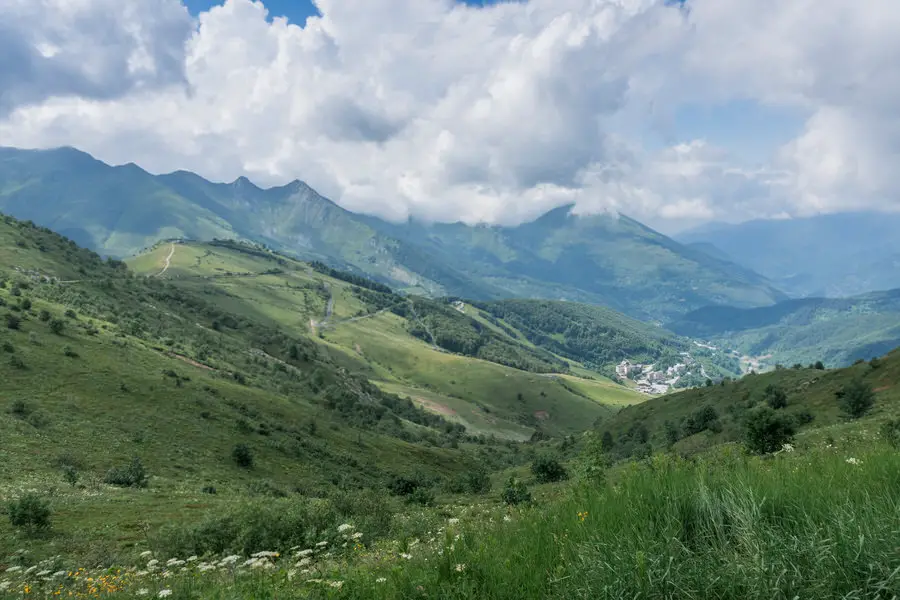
(856, 398)
(766, 431)
(44, 315)
(547, 469)
(132, 475)
(70, 474)
(242, 455)
(775, 397)
(12, 321)
(31, 512)
(57, 326)
(25, 304)
(270, 524)
(70, 352)
(515, 492)
(820, 366)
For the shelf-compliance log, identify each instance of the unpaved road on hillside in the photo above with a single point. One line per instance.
(168, 261)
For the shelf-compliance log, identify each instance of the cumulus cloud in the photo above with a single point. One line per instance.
(89, 48)
(449, 112)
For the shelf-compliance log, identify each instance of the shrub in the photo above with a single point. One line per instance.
(890, 431)
(12, 321)
(515, 492)
(70, 474)
(242, 455)
(68, 351)
(25, 304)
(766, 431)
(421, 495)
(57, 326)
(775, 396)
(475, 481)
(856, 398)
(30, 512)
(592, 461)
(17, 363)
(44, 315)
(820, 366)
(547, 469)
(70, 314)
(7, 347)
(33, 339)
(209, 489)
(804, 417)
(133, 475)
(20, 408)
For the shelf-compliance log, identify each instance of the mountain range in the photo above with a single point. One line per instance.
(605, 259)
(825, 255)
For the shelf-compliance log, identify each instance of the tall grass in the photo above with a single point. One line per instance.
(735, 527)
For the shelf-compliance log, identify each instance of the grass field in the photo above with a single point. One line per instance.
(818, 522)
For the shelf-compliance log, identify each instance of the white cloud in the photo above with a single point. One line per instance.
(448, 112)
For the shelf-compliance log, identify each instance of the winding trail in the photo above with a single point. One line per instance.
(168, 261)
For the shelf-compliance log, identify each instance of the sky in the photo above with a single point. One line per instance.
(675, 113)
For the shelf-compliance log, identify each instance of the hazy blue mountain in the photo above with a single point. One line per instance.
(827, 255)
(837, 331)
(602, 259)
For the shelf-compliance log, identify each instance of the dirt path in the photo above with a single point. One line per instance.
(168, 261)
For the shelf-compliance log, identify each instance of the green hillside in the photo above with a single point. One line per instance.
(446, 360)
(99, 367)
(602, 259)
(837, 331)
(704, 417)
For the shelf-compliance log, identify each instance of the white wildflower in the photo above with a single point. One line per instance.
(381, 580)
(453, 521)
(30, 570)
(153, 563)
(787, 448)
(304, 561)
(59, 574)
(143, 592)
(44, 573)
(291, 574)
(406, 556)
(357, 536)
(146, 554)
(191, 558)
(13, 569)
(265, 554)
(142, 573)
(337, 584)
(460, 568)
(164, 593)
(4, 585)
(344, 527)
(854, 461)
(229, 560)
(322, 544)
(507, 518)
(304, 553)
(174, 562)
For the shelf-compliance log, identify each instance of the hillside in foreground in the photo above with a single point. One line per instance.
(815, 519)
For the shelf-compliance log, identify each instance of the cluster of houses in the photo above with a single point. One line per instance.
(650, 380)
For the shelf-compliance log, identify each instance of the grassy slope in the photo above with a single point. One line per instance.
(103, 390)
(808, 390)
(482, 394)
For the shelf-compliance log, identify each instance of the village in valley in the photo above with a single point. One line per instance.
(658, 379)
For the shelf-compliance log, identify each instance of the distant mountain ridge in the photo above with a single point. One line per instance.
(837, 331)
(601, 259)
(833, 255)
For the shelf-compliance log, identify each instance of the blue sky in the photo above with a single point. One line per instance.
(295, 10)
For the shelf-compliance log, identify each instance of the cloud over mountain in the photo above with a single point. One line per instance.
(446, 111)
